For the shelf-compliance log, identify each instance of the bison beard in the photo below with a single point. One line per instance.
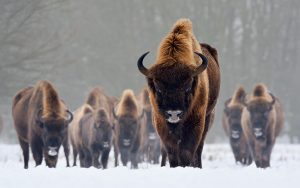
(183, 93)
(41, 121)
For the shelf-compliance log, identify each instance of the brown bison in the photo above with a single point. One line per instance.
(184, 86)
(41, 120)
(96, 100)
(150, 139)
(128, 130)
(233, 127)
(96, 132)
(262, 121)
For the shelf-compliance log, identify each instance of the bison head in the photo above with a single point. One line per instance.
(234, 114)
(173, 86)
(260, 111)
(54, 130)
(103, 129)
(128, 127)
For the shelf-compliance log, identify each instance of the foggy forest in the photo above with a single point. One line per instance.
(79, 44)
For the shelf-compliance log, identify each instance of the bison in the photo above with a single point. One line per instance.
(184, 85)
(128, 132)
(96, 100)
(233, 128)
(262, 121)
(96, 133)
(41, 121)
(150, 139)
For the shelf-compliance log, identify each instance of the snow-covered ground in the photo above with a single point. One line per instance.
(219, 170)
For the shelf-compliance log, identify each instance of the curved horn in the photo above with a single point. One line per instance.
(142, 115)
(203, 66)
(273, 99)
(114, 113)
(70, 116)
(226, 105)
(140, 65)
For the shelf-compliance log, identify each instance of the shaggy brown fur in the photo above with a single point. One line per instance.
(74, 130)
(41, 121)
(96, 133)
(172, 82)
(262, 121)
(96, 100)
(128, 130)
(150, 139)
(232, 125)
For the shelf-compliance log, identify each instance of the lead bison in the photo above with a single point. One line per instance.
(41, 121)
(91, 142)
(128, 130)
(184, 86)
(233, 127)
(262, 121)
(150, 139)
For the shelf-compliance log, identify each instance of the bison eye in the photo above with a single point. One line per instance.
(158, 90)
(188, 89)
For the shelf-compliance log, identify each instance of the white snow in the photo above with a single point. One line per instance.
(219, 170)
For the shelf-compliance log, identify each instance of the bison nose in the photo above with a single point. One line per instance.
(52, 151)
(258, 132)
(174, 116)
(174, 112)
(126, 142)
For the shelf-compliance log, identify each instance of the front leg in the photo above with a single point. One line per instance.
(67, 151)
(172, 156)
(37, 150)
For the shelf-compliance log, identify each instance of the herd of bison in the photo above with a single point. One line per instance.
(168, 120)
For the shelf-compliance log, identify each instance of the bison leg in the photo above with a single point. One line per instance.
(37, 151)
(208, 121)
(173, 158)
(66, 151)
(87, 159)
(25, 148)
(75, 153)
(185, 158)
(124, 157)
(163, 157)
(116, 154)
(96, 154)
(81, 158)
(134, 160)
(104, 158)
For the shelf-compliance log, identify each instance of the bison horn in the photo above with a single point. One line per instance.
(273, 99)
(114, 114)
(70, 118)
(142, 115)
(140, 65)
(203, 66)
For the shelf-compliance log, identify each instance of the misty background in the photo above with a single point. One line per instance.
(79, 44)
